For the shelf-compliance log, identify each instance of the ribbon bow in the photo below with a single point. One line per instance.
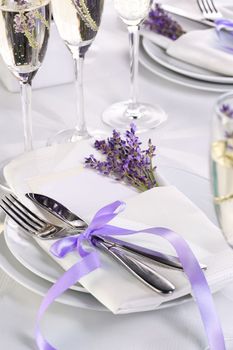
(98, 226)
(90, 261)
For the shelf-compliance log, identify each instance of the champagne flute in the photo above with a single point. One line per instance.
(222, 164)
(24, 33)
(78, 22)
(121, 114)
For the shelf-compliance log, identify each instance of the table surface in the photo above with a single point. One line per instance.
(182, 142)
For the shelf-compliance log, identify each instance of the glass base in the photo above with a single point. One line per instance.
(66, 136)
(120, 115)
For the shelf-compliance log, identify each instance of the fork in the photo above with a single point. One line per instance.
(32, 223)
(209, 10)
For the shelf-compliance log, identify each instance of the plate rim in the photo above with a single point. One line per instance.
(176, 78)
(34, 270)
(184, 72)
(14, 273)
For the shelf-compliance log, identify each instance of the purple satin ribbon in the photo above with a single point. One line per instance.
(90, 261)
(224, 29)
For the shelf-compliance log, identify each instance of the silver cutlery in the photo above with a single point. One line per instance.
(209, 10)
(72, 220)
(39, 228)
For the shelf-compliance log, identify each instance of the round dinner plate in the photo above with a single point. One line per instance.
(177, 78)
(160, 56)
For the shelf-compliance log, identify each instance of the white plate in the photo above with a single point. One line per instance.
(40, 286)
(31, 256)
(177, 78)
(160, 56)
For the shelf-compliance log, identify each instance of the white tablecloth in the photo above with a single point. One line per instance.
(182, 142)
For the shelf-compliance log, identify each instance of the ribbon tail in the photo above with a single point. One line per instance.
(200, 287)
(82, 268)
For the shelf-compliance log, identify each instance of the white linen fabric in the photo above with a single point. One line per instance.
(201, 48)
(85, 192)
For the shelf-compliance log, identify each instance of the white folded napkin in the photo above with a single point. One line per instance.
(85, 192)
(201, 48)
(120, 291)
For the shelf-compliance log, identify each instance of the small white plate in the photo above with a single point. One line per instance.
(40, 286)
(177, 78)
(31, 256)
(160, 56)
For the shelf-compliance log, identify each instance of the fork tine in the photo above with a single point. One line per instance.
(26, 209)
(26, 220)
(201, 5)
(207, 6)
(18, 210)
(15, 219)
(213, 6)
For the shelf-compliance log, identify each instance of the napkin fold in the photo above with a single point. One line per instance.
(117, 288)
(200, 48)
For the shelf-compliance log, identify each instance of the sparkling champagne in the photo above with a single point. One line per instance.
(132, 12)
(222, 183)
(24, 33)
(77, 21)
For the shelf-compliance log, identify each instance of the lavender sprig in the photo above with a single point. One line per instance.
(160, 22)
(125, 160)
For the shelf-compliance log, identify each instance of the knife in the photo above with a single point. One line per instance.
(72, 220)
(182, 13)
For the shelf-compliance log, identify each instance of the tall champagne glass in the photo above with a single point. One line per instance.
(121, 114)
(24, 33)
(78, 22)
(222, 164)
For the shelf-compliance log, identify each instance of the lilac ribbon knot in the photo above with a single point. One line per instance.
(90, 261)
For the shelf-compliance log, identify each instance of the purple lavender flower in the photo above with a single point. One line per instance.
(160, 22)
(125, 160)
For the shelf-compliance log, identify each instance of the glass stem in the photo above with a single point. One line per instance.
(26, 97)
(81, 122)
(134, 48)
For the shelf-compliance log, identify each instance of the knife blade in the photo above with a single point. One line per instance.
(182, 13)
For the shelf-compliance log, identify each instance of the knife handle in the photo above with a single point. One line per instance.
(138, 268)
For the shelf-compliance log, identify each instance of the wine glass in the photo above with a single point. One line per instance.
(222, 164)
(24, 34)
(78, 22)
(121, 114)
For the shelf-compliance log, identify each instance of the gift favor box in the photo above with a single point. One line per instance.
(57, 67)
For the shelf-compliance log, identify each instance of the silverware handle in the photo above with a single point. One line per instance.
(158, 257)
(165, 259)
(139, 269)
